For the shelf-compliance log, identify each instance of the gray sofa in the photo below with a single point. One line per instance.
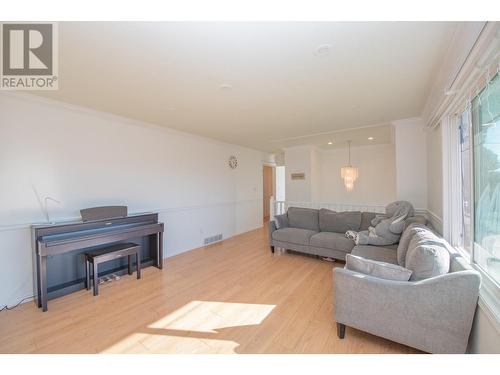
(432, 312)
(318, 232)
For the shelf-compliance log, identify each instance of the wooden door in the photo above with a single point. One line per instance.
(268, 189)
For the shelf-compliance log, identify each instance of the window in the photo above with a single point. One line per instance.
(465, 230)
(485, 116)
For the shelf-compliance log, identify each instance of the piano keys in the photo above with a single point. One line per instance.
(72, 239)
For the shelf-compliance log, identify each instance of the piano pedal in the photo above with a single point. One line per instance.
(115, 277)
(104, 279)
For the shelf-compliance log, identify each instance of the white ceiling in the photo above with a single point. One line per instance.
(276, 88)
(364, 136)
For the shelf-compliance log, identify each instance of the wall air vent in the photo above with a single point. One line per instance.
(209, 240)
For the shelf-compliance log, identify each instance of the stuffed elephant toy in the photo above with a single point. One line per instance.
(385, 229)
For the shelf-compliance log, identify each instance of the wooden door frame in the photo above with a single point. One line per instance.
(273, 182)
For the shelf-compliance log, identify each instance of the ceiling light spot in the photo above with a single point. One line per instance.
(371, 138)
(226, 86)
(323, 50)
(330, 143)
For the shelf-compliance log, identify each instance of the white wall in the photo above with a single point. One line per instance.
(316, 174)
(411, 161)
(485, 335)
(85, 158)
(280, 183)
(376, 184)
(298, 160)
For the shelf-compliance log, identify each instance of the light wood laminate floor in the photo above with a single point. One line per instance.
(231, 297)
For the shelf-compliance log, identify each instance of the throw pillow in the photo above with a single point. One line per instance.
(378, 269)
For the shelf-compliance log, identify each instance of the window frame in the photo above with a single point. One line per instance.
(471, 76)
(456, 230)
(468, 114)
(489, 296)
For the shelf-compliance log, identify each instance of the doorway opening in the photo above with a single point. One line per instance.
(273, 189)
(268, 190)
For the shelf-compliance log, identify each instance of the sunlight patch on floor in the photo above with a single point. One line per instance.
(128, 345)
(193, 328)
(188, 345)
(144, 343)
(208, 316)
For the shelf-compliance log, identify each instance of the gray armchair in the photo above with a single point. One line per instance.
(434, 314)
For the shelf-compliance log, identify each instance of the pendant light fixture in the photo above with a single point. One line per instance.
(349, 173)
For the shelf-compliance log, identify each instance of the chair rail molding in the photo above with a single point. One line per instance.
(160, 210)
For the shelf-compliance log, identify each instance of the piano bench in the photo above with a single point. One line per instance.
(106, 254)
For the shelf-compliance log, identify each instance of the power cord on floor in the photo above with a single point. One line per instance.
(6, 307)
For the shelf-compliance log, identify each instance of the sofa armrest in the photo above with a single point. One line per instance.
(434, 315)
(272, 228)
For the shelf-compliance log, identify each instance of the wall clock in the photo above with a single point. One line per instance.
(233, 162)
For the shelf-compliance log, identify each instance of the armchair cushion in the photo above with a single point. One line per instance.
(374, 268)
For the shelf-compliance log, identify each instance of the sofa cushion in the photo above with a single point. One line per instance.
(378, 269)
(303, 218)
(293, 235)
(339, 222)
(405, 239)
(382, 254)
(427, 256)
(281, 221)
(419, 219)
(366, 220)
(329, 240)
